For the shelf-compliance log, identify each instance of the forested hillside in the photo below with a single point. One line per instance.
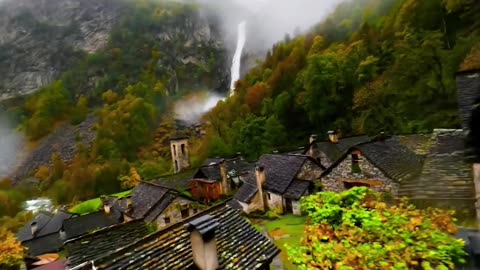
(372, 65)
(157, 52)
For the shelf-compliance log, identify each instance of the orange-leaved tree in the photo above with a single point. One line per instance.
(11, 251)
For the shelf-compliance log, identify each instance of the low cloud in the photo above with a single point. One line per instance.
(191, 108)
(11, 142)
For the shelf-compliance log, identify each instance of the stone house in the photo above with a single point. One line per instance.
(381, 164)
(327, 152)
(156, 204)
(217, 238)
(280, 180)
(42, 234)
(83, 224)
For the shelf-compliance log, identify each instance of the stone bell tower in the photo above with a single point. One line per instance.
(180, 155)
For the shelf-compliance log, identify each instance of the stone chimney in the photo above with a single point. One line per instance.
(202, 237)
(313, 138)
(333, 136)
(223, 172)
(106, 205)
(34, 228)
(261, 180)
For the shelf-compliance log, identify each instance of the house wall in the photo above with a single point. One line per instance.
(206, 191)
(255, 205)
(369, 173)
(173, 211)
(275, 202)
(309, 171)
(296, 208)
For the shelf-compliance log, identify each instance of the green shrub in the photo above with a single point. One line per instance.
(355, 229)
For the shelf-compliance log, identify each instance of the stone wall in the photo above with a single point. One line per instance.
(370, 174)
(173, 211)
(310, 171)
(275, 202)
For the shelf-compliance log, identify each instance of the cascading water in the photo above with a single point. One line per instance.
(237, 58)
(191, 109)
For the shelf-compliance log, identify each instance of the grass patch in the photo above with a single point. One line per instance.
(288, 229)
(94, 205)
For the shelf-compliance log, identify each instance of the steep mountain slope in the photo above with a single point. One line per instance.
(41, 40)
(372, 65)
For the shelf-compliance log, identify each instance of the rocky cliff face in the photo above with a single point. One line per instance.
(40, 39)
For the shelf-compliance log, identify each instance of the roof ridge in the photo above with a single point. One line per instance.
(173, 226)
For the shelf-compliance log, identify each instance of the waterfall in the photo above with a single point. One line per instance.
(237, 58)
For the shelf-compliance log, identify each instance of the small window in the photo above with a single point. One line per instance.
(176, 166)
(174, 150)
(268, 196)
(167, 220)
(184, 213)
(183, 149)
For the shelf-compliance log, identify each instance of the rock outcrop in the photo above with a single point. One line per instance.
(40, 39)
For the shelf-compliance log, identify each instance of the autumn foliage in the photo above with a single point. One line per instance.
(11, 251)
(356, 230)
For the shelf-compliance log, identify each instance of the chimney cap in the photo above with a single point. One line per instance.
(275, 151)
(332, 132)
(205, 225)
(259, 168)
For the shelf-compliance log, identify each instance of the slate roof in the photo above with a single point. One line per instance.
(445, 175)
(239, 246)
(235, 167)
(246, 193)
(468, 89)
(335, 151)
(149, 200)
(209, 172)
(47, 223)
(281, 170)
(81, 225)
(145, 197)
(95, 245)
(392, 158)
(418, 143)
(234, 204)
(297, 189)
(178, 181)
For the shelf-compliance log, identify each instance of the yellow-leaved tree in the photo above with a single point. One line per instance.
(11, 251)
